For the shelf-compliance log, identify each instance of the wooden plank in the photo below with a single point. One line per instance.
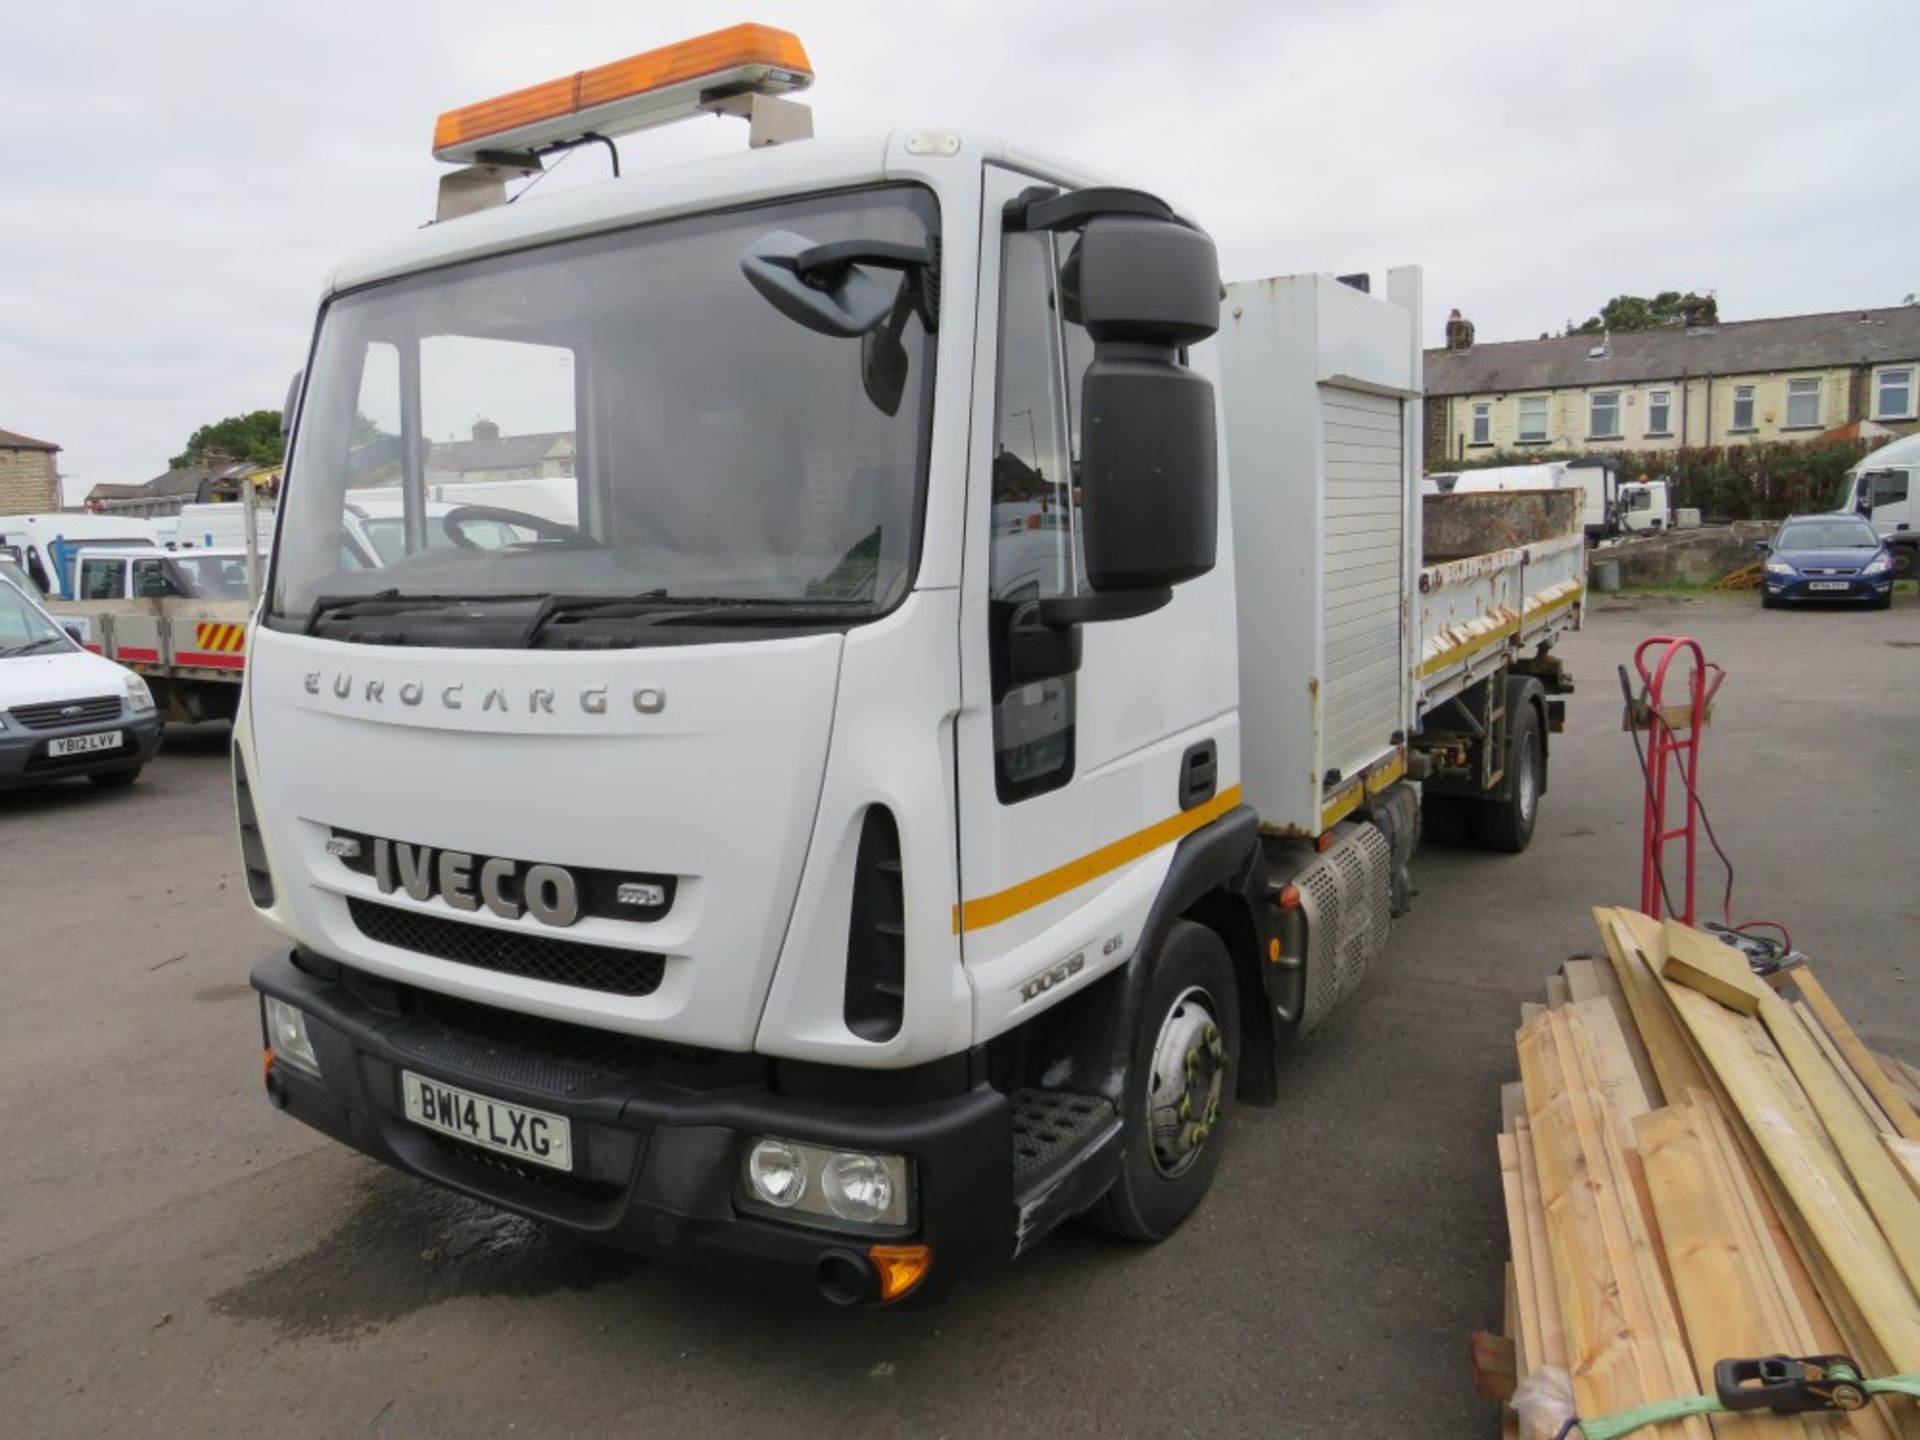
(1905, 1078)
(1619, 1081)
(1582, 982)
(1860, 1093)
(1720, 972)
(1558, 993)
(1906, 1154)
(1857, 1055)
(1638, 1266)
(1524, 1326)
(1494, 1366)
(1623, 1015)
(1667, 1046)
(1546, 1300)
(1872, 1170)
(1599, 1341)
(1513, 1104)
(1777, 1113)
(1716, 1281)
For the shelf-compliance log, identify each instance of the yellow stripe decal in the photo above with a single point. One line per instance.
(1369, 784)
(1005, 904)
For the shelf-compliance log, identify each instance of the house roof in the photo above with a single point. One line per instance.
(9, 440)
(109, 491)
(509, 452)
(1737, 347)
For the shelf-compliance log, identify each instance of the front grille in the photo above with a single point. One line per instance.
(560, 1181)
(55, 716)
(511, 952)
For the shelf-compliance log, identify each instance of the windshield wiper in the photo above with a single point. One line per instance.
(29, 647)
(392, 602)
(774, 612)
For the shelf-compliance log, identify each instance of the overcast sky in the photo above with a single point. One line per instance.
(181, 177)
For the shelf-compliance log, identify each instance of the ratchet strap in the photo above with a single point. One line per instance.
(1781, 1383)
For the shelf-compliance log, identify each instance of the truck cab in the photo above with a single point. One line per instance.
(1884, 486)
(821, 850)
(1646, 507)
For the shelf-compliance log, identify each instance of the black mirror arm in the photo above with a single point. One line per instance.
(1094, 606)
(827, 263)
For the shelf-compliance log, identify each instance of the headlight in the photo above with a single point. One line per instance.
(287, 1036)
(1879, 565)
(139, 697)
(1779, 567)
(835, 1189)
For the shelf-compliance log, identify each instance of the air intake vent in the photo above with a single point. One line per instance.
(877, 936)
(253, 850)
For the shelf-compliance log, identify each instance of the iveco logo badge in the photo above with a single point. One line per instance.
(466, 882)
(523, 699)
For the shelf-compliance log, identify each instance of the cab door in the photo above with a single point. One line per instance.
(1072, 790)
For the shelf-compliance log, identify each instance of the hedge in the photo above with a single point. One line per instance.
(1762, 481)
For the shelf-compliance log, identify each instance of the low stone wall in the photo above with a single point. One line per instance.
(1687, 557)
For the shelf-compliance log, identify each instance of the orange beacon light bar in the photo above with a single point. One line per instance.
(644, 90)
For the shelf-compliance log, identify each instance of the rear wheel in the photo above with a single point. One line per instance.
(1180, 1086)
(1906, 562)
(1507, 824)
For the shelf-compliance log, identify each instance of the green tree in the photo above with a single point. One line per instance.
(1636, 312)
(254, 436)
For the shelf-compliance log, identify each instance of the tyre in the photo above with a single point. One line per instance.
(1767, 602)
(1180, 1079)
(115, 779)
(1446, 820)
(1883, 602)
(1906, 562)
(1507, 824)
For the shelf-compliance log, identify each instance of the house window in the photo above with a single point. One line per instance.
(1743, 407)
(1803, 404)
(1893, 394)
(1603, 415)
(1659, 412)
(1483, 424)
(1533, 418)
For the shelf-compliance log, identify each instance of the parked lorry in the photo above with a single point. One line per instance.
(1646, 507)
(45, 545)
(177, 618)
(971, 724)
(1883, 486)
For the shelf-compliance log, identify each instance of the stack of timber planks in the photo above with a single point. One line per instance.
(1699, 1165)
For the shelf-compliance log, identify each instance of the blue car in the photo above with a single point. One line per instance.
(1812, 558)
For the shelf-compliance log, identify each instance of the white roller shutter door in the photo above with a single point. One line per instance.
(1364, 542)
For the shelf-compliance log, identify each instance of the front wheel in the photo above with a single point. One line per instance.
(1179, 1086)
(115, 779)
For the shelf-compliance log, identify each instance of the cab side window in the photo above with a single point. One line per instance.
(150, 580)
(1032, 552)
(102, 580)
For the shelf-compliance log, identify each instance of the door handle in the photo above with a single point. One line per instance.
(1199, 774)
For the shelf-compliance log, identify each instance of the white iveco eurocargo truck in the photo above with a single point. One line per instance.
(891, 794)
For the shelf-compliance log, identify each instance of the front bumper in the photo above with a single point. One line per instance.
(24, 759)
(1799, 588)
(657, 1149)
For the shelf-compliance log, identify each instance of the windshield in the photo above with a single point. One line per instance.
(616, 419)
(1827, 535)
(24, 630)
(10, 570)
(214, 577)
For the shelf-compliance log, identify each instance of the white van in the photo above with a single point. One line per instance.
(45, 545)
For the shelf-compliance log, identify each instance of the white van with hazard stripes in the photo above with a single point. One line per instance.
(905, 796)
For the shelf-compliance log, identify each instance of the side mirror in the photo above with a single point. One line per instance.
(1037, 649)
(293, 398)
(1765, 547)
(1144, 289)
(883, 358)
(834, 297)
